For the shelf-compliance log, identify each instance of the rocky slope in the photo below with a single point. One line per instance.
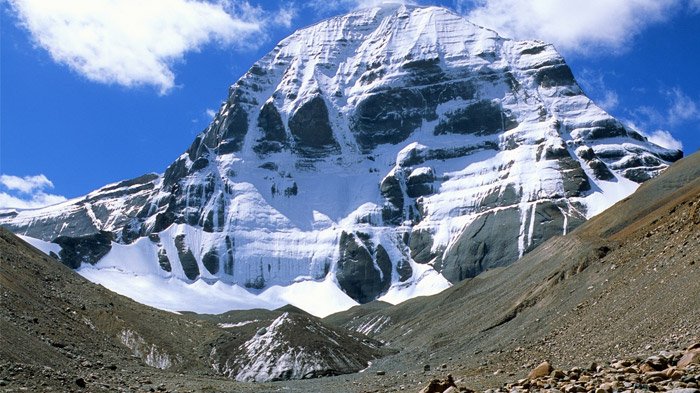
(59, 331)
(624, 284)
(368, 152)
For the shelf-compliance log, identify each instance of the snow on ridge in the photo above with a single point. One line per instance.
(280, 217)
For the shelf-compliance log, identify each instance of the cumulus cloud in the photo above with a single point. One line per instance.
(665, 139)
(210, 113)
(581, 26)
(134, 42)
(26, 192)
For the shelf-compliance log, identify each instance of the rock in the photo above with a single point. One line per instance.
(84, 249)
(487, 242)
(80, 382)
(558, 374)
(543, 370)
(356, 272)
(187, 260)
(692, 356)
(439, 386)
(381, 372)
(426, 367)
(311, 129)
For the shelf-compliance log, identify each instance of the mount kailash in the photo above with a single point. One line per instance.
(382, 154)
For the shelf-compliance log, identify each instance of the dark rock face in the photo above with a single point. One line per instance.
(387, 117)
(356, 273)
(420, 244)
(481, 118)
(403, 268)
(311, 129)
(233, 130)
(84, 249)
(210, 260)
(391, 191)
(490, 241)
(555, 75)
(419, 184)
(164, 261)
(229, 261)
(189, 263)
(549, 221)
(274, 135)
(392, 212)
(384, 263)
(271, 123)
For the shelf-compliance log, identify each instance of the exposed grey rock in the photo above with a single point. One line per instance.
(233, 129)
(311, 129)
(419, 183)
(210, 260)
(84, 249)
(229, 261)
(164, 261)
(356, 273)
(391, 190)
(387, 117)
(403, 268)
(420, 244)
(490, 241)
(189, 263)
(481, 118)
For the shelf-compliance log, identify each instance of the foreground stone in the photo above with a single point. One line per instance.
(668, 371)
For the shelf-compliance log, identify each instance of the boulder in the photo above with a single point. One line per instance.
(542, 370)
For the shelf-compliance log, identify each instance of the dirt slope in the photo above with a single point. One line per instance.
(627, 282)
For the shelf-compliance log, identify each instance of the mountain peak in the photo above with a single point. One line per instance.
(382, 154)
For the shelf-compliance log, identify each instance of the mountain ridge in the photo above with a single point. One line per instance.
(383, 154)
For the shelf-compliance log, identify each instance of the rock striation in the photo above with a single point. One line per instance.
(391, 151)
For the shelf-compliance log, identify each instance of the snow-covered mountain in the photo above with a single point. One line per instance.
(380, 154)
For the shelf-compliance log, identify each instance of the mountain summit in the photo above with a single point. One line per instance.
(384, 153)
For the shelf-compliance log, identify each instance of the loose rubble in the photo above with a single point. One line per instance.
(667, 371)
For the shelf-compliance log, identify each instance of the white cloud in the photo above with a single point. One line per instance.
(26, 192)
(25, 184)
(134, 42)
(210, 113)
(682, 108)
(285, 16)
(665, 139)
(581, 26)
(609, 101)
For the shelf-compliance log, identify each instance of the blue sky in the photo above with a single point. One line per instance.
(121, 88)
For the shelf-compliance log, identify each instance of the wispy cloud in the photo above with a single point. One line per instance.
(210, 113)
(285, 16)
(694, 5)
(681, 108)
(136, 42)
(27, 192)
(594, 84)
(580, 26)
(665, 139)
